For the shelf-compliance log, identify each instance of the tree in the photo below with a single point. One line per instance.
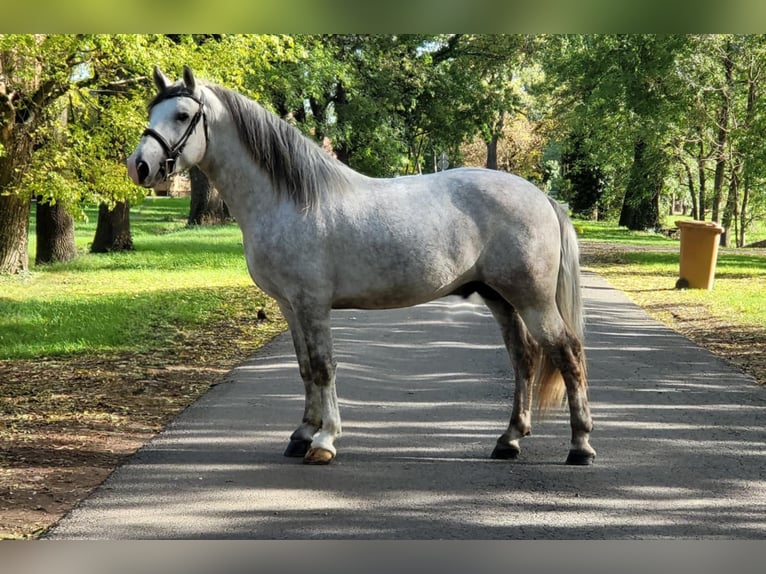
(519, 148)
(641, 204)
(723, 121)
(207, 206)
(113, 228)
(495, 62)
(55, 233)
(53, 193)
(585, 180)
(626, 91)
(103, 136)
(724, 76)
(93, 72)
(362, 94)
(748, 138)
(111, 121)
(35, 70)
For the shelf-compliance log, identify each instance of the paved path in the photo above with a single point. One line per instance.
(680, 435)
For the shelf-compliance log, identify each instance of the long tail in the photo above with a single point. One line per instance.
(550, 389)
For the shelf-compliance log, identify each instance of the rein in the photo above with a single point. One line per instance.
(173, 152)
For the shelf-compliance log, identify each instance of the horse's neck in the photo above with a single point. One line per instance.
(245, 187)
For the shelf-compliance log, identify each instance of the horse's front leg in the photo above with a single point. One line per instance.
(300, 440)
(314, 439)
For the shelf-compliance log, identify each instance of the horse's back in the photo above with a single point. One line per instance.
(410, 239)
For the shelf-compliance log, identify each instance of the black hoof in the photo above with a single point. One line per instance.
(505, 452)
(581, 457)
(297, 448)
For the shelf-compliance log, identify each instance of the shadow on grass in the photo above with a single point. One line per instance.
(101, 323)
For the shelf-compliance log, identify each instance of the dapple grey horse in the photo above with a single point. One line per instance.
(320, 236)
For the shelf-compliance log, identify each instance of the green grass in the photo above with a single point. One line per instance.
(176, 279)
(611, 232)
(649, 276)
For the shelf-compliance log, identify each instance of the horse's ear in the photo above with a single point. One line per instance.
(189, 81)
(160, 79)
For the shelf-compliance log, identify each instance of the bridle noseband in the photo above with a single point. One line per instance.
(173, 152)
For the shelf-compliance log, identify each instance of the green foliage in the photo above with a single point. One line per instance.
(662, 115)
(389, 104)
(620, 94)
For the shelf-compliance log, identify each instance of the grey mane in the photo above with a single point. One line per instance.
(299, 169)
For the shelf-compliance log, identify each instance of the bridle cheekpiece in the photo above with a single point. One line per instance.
(173, 152)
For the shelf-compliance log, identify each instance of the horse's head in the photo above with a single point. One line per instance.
(176, 138)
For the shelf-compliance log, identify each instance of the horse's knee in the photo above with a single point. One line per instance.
(305, 371)
(322, 371)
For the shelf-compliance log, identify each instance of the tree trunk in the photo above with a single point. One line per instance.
(113, 229)
(341, 149)
(743, 211)
(731, 211)
(16, 145)
(342, 153)
(640, 207)
(753, 75)
(723, 131)
(207, 205)
(692, 191)
(14, 233)
(496, 132)
(703, 181)
(55, 233)
(492, 152)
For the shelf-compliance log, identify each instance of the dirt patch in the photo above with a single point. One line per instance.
(67, 423)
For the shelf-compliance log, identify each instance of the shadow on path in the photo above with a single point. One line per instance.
(424, 392)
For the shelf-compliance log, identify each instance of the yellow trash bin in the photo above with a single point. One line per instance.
(699, 251)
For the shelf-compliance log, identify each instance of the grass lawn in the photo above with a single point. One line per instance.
(648, 274)
(177, 278)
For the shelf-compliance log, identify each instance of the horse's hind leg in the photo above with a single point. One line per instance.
(525, 355)
(566, 354)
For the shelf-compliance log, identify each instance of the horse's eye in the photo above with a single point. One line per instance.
(182, 116)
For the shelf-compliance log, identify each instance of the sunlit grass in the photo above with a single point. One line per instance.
(611, 232)
(648, 276)
(175, 279)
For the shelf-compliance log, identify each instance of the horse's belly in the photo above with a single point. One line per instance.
(393, 293)
(383, 300)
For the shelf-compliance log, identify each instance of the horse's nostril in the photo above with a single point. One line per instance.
(143, 171)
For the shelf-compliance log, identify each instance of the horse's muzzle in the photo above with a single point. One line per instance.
(138, 170)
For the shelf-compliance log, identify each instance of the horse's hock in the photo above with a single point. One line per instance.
(699, 252)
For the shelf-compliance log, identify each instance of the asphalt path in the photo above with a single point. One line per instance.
(424, 392)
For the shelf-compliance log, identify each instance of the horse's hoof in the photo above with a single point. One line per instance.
(318, 455)
(297, 448)
(581, 457)
(505, 452)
